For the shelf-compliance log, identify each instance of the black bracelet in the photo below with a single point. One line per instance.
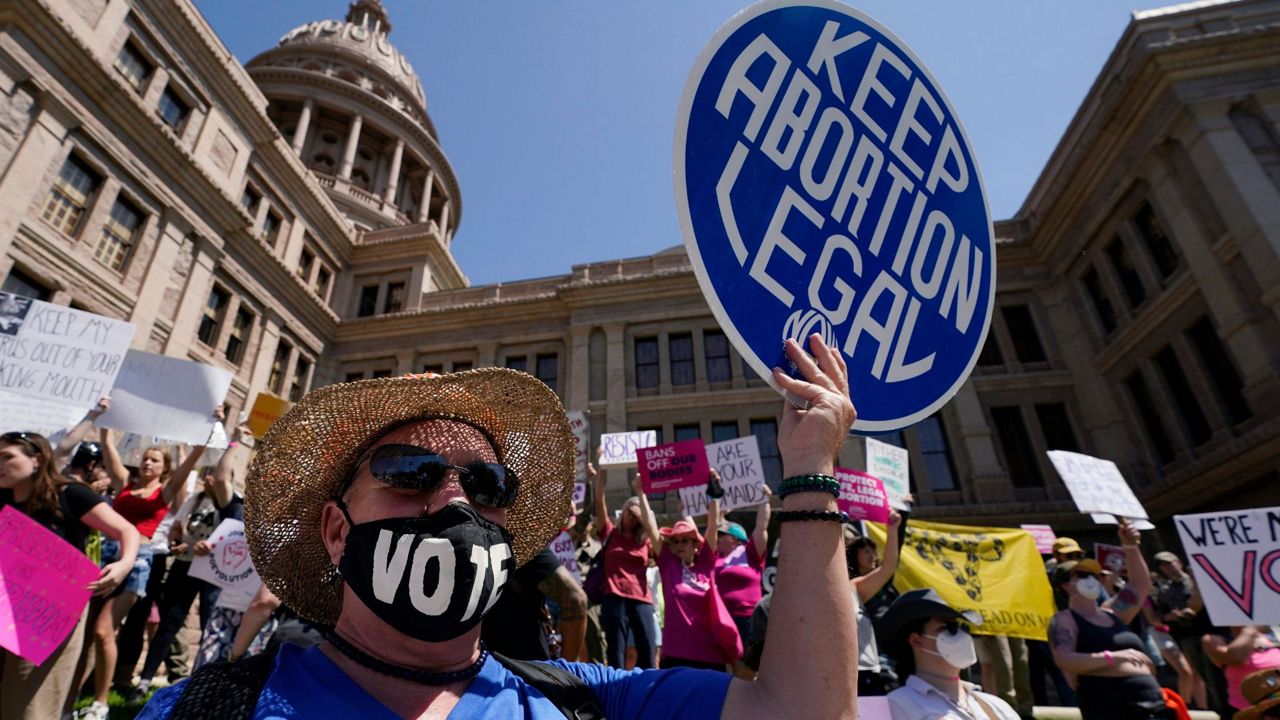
(824, 515)
(809, 483)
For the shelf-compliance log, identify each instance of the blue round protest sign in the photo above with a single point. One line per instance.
(825, 184)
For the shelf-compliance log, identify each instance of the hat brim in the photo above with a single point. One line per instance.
(893, 622)
(1256, 711)
(308, 454)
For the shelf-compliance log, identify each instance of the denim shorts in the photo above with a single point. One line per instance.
(136, 581)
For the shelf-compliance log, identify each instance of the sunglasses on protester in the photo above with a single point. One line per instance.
(1079, 575)
(681, 540)
(410, 467)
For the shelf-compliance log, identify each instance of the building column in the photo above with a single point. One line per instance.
(444, 218)
(615, 389)
(990, 482)
(349, 150)
(156, 280)
(579, 368)
(304, 124)
(424, 207)
(486, 354)
(194, 296)
(393, 175)
(404, 362)
(41, 147)
(219, 344)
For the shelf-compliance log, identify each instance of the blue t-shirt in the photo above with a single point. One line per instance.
(306, 684)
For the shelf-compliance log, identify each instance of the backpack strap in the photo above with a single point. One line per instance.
(225, 689)
(571, 696)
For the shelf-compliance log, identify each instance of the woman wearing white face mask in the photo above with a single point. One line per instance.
(1114, 676)
(924, 636)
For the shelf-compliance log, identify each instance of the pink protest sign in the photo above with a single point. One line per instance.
(673, 466)
(1044, 537)
(862, 496)
(43, 586)
(1110, 557)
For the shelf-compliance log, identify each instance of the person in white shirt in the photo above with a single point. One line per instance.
(926, 639)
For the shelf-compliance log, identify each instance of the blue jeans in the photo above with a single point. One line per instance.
(136, 581)
(620, 615)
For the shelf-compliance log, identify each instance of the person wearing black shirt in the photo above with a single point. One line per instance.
(519, 624)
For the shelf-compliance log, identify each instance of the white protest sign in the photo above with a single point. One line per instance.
(166, 397)
(892, 465)
(741, 475)
(55, 353)
(1235, 558)
(1107, 519)
(1096, 485)
(581, 452)
(619, 449)
(27, 414)
(228, 564)
(567, 552)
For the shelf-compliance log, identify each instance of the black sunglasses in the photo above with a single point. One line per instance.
(490, 485)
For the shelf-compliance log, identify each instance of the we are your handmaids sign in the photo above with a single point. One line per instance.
(1235, 557)
(824, 184)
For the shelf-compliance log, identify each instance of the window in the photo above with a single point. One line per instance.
(172, 109)
(305, 261)
(118, 234)
(766, 432)
(368, 301)
(382, 373)
(548, 368)
(433, 369)
(352, 377)
(461, 366)
(722, 431)
(991, 355)
(1151, 422)
(657, 433)
(1220, 370)
(323, 276)
(239, 337)
(1019, 454)
(1022, 330)
(69, 196)
(1134, 291)
(681, 349)
(395, 298)
(716, 347)
(211, 321)
(271, 225)
(938, 466)
(1194, 422)
(279, 364)
(249, 199)
(133, 65)
(299, 385)
(1157, 243)
(687, 432)
(518, 362)
(1055, 425)
(1101, 303)
(646, 363)
(20, 283)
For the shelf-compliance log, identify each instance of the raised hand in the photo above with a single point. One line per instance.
(810, 436)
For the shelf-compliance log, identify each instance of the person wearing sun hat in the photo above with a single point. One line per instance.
(1262, 691)
(395, 509)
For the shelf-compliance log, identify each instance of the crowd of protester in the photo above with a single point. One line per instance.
(1123, 645)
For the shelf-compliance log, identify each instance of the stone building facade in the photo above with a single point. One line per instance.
(291, 220)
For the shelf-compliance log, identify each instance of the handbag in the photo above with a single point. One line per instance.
(724, 631)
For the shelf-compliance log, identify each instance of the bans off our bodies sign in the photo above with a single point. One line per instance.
(824, 184)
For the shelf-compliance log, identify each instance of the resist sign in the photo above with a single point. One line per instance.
(1235, 557)
(824, 184)
(673, 466)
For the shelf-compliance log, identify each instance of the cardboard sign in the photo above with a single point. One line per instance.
(59, 354)
(43, 586)
(892, 465)
(673, 466)
(741, 476)
(1110, 557)
(228, 565)
(824, 184)
(567, 552)
(1235, 558)
(619, 449)
(166, 397)
(1105, 519)
(267, 408)
(28, 414)
(1044, 537)
(862, 496)
(1096, 485)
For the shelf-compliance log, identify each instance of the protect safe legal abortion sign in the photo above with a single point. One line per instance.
(825, 184)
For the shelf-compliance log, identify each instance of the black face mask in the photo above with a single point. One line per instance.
(432, 578)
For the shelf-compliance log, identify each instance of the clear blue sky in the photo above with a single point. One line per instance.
(558, 116)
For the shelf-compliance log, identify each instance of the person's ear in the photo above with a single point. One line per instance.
(333, 531)
(914, 640)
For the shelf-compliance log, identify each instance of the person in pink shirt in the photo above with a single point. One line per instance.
(740, 564)
(1245, 651)
(628, 604)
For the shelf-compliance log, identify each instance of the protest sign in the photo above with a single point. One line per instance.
(228, 564)
(995, 571)
(619, 449)
(567, 551)
(59, 354)
(741, 475)
(581, 452)
(862, 496)
(874, 708)
(166, 397)
(673, 466)
(1105, 519)
(1235, 557)
(43, 586)
(892, 465)
(1096, 485)
(1044, 537)
(824, 184)
(1110, 557)
(28, 414)
(267, 408)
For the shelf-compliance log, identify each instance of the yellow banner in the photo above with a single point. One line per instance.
(267, 408)
(996, 571)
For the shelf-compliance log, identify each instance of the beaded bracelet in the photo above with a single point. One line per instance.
(824, 515)
(809, 483)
